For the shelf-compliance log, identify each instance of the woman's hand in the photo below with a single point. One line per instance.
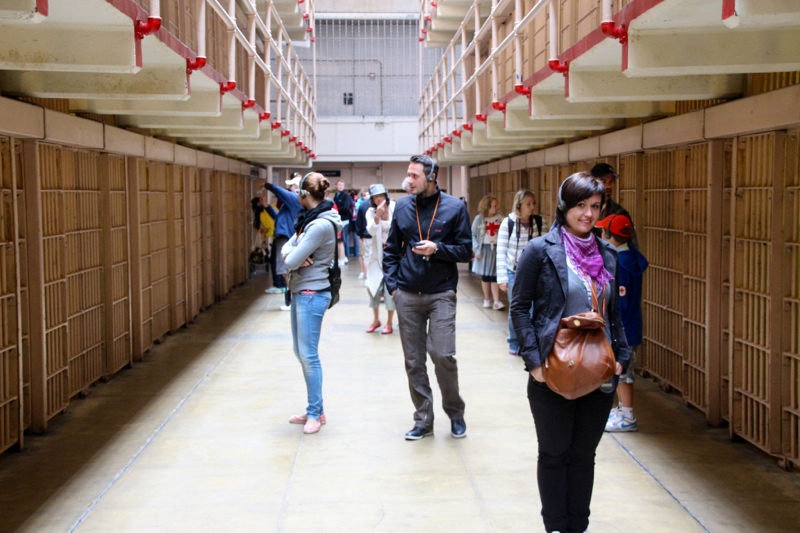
(618, 370)
(308, 262)
(380, 211)
(478, 256)
(537, 375)
(503, 287)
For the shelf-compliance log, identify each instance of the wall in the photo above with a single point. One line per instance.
(367, 139)
(109, 241)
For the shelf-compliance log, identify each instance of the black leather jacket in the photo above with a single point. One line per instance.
(542, 281)
(451, 231)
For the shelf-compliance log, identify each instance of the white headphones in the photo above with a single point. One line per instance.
(303, 193)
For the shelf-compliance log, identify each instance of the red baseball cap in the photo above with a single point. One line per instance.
(618, 225)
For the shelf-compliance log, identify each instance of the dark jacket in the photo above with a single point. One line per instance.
(451, 231)
(361, 220)
(542, 281)
(344, 204)
(632, 265)
(284, 217)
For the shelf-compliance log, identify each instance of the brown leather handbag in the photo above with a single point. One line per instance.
(581, 359)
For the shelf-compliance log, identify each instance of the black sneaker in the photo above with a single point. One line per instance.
(458, 428)
(419, 432)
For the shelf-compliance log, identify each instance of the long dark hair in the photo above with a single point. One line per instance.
(575, 189)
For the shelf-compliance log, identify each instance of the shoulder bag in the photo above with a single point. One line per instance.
(581, 359)
(334, 272)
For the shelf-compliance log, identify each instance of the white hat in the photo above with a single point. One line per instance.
(295, 180)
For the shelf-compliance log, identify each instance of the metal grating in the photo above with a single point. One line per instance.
(791, 323)
(10, 347)
(661, 303)
(368, 67)
(751, 267)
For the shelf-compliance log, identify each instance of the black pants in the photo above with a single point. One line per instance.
(568, 432)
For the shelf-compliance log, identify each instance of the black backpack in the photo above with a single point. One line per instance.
(536, 218)
(334, 272)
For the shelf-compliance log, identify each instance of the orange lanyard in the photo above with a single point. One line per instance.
(419, 228)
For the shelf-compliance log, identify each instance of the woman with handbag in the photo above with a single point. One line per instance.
(308, 254)
(567, 272)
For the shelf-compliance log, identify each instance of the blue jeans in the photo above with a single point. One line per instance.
(350, 239)
(513, 343)
(308, 309)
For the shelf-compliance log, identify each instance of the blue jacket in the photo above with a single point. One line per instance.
(284, 217)
(542, 282)
(632, 265)
(451, 231)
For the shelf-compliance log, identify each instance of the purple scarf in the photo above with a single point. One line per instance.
(585, 255)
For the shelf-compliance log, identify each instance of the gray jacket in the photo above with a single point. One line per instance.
(318, 242)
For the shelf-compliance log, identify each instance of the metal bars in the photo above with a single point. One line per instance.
(369, 67)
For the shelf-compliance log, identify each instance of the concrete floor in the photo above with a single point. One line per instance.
(195, 438)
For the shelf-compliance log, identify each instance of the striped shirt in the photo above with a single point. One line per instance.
(509, 247)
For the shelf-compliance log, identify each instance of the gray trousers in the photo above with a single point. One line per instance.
(427, 325)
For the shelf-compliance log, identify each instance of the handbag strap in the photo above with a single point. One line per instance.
(595, 302)
(335, 244)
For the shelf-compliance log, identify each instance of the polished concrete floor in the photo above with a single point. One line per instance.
(195, 438)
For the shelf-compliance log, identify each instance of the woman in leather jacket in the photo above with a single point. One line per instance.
(554, 278)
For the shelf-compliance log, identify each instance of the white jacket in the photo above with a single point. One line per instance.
(375, 264)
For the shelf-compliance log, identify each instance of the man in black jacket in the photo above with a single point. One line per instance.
(344, 205)
(430, 233)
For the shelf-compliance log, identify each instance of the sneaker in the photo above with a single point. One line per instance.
(513, 350)
(275, 290)
(346, 260)
(342, 263)
(498, 305)
(286, 308)
(487, 304)
(458, 428)
(360, 275)
(622, 424)
(418, 433)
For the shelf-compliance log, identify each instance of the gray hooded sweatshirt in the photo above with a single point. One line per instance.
(317, 241)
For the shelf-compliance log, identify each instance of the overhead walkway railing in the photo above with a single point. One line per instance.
(205, 72)
(518, 75)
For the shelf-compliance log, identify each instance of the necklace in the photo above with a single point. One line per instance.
(419, 228)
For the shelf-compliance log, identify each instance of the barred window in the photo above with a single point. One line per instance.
(368, 67)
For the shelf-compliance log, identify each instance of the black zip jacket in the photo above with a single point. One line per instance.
(451, 232)
(541, 281)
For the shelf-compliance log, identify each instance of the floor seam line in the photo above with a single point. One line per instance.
(285, 503)
(475, 487)
(660, 484)
(152, 437)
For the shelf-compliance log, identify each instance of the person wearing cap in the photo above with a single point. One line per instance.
(618, 231)
(289, 207)
(379, 220)
(429, 235)
(606, 174)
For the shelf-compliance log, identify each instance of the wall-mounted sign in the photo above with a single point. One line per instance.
(331, 173)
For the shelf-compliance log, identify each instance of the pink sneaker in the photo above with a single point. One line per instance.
(301, 419)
